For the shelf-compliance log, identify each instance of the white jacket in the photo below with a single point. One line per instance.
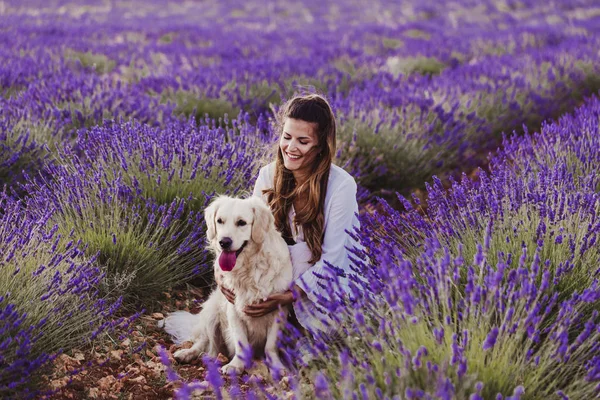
(341, 209)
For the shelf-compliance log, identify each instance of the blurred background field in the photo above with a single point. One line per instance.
(120, 120)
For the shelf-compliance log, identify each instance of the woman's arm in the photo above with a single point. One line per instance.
(273, 302)
(339, 218)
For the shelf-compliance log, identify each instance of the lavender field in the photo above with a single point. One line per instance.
(471, 127)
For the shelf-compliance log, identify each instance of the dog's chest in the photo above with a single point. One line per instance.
(220, 278)
(249, 291)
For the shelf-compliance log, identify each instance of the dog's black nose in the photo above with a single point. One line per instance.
(225, 243)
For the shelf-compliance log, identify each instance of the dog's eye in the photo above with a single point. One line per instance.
(219, 221)
(241, 223)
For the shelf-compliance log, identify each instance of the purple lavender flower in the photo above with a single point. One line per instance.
(490, 340)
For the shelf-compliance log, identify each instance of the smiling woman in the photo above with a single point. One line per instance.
(314, 204)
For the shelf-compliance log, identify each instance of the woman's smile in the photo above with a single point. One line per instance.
(297, 143)
(292, 157)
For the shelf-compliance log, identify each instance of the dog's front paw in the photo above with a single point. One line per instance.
(235, 365)
(185, 355)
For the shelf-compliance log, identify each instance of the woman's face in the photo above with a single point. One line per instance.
(297, 139)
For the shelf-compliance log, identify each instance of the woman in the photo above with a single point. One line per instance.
(314, 204)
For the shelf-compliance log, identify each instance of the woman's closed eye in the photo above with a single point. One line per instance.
(288, 137)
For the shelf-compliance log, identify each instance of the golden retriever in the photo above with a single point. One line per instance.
(253, 260)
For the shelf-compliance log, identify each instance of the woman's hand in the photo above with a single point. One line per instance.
(273, 303)
(229, 295)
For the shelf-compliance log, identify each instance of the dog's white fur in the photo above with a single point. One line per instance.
(262, 268)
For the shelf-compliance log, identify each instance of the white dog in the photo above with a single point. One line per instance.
(253, 260)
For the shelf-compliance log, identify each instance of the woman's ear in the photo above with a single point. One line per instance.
(263, 220)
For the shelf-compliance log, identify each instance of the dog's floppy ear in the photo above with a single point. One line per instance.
(263, 220)
(209, 216)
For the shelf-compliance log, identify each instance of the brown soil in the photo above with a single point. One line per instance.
(128, 368)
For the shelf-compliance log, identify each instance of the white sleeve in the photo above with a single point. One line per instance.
(261, 183)
(340, 217)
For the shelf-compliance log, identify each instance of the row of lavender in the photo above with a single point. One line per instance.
(411, 86)
(419, 90)
(493, 293)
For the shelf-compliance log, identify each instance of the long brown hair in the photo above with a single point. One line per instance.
(315, 109)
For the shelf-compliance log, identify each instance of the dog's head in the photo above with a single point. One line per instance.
(235, 223)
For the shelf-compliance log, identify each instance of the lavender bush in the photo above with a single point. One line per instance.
(24, 147)
(526, 199)
(48, 302)
(182, 160)
(136, 193)
(572, 143)
(424, 332)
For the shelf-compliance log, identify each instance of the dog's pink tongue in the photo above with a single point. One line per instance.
(227, 260)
